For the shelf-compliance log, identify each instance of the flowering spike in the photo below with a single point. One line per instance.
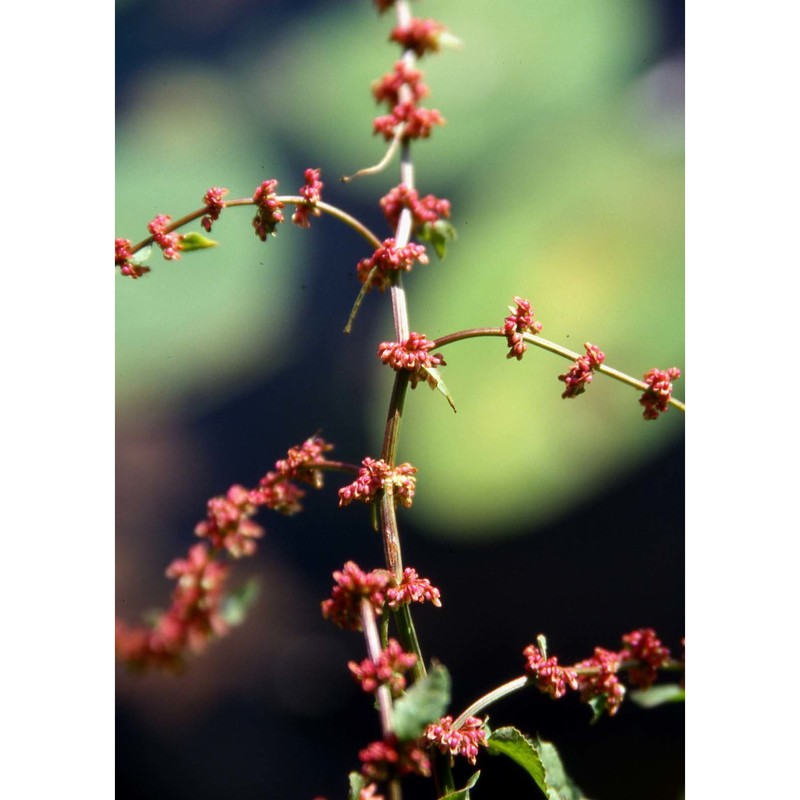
(428, 209)
(643, 645)
(123, 259)
(602, 683)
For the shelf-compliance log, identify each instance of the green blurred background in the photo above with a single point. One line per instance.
(563, 158)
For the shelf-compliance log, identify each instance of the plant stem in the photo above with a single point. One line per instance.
(297, 200)
(545, 344)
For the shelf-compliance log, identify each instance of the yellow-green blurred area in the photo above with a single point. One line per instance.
(563, 159)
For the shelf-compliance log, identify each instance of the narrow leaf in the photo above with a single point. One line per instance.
(434, 380)
(196, 241)
(425, 702)
(438, 234)
(463, 794)
(658, 695)
(236, 605)
(357, 782)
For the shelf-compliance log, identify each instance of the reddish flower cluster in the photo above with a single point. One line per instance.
(413, 589)
(229, 525)
(214, 205)
(170, 243)
(550, 678)
(311, 191)
(343, 608)
(603, 680)
(645, 647)
(192, 619)
(581, 372)
(428, 209)
(195, 612)
(420, 35)
(376, 476)
(464, 741)
(369, 792)
(390, 758)
(656, 397)
(269, 215)
(519, 321)
(387, 670)
(122, 259)
(418, 121)
(598, 678)
(410, 355)
(387, 89)
(389, 258)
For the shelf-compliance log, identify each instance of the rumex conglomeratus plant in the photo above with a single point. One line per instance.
(419, 734)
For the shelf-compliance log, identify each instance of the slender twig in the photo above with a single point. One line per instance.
(545, 344)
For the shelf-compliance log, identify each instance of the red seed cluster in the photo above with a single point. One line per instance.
(420, 35)
(656, 397)
(389, 258)
(519, 321)
(268, 216)
(169, 243)
(580, 374)
(463, 741)
(389, 758)
(343, 608)
(550, 678)
(388, 670)
(376, 476)
(411, 355)
(412, 589)
(428, 209)
(311, 192)
(214, 204)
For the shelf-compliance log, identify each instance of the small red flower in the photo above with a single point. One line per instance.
(269, 215)
(420, 35)
(311, 191)
(426, 209)
(413, 589)
(389, 258)
(643, 645)
(418, 121)
(464, 741)
(344, 606)
(170, 243)
(656, 397)
(214, 205)
(390, 758)
(550, 678)
(122, 259)
(603, 681)
(387, 89)
(387, 670)
(580, 374)
(410, 355)
(519, 321)
(229, 524)
(376, 476)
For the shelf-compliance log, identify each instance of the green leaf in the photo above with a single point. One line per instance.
(142, 255)
(658, 695)
(434, 380)
(196, 241)
(357, 783)
(236, 604)
(539, 759)
(438, 234)
(425, 702)
(463, 794)
(598, 704)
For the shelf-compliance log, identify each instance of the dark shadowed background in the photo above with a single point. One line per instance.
(563, 158)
